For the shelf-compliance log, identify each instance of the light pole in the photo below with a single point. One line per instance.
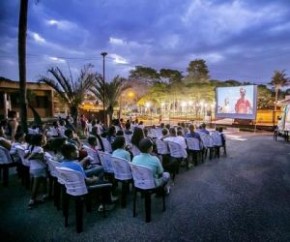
(104, 76)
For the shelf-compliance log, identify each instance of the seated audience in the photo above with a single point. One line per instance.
(70, 153)
(152, 162)
(119, 150)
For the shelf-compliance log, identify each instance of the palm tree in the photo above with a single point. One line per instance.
(72, 92)
(109, 92)
(279, 80)
(22, 29)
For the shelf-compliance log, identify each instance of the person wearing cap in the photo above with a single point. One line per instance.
(243, 105)
(152, 162)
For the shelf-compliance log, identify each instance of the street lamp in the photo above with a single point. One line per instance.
(104, 55)
(103, 96)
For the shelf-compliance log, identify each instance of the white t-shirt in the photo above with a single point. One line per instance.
(37, 163)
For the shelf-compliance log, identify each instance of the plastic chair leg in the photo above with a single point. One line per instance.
(147, 207)
(134, 203)
(5, 176)
(65, 206)
(57, 193)
(125, 188)
(79, 214)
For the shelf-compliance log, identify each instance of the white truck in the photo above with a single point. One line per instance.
(283, 127)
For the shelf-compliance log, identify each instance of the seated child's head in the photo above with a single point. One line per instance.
(70, 151)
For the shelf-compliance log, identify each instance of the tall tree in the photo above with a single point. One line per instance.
(109, 93)
(145, 74)
(279, 80)
(71, 91)
(197, 71)
(264, 99)
(22, 29)
(172, 75)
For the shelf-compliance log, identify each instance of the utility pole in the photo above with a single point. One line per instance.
(104, 80)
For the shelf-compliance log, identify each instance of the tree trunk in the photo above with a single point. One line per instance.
(275, 105)
(22, 29)
(74, 113)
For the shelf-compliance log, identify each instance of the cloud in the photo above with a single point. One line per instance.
(215, 23)
(62, 24)
(57, 59)
(36, 37)
(118, 59)
(116, 41)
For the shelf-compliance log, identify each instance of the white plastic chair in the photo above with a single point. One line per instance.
(207, 141)
(25, 175)
(144, 182)
(107, 145)
(128, 138)
(93, 154)
(194, 145)
(135, 150)
(75, 185)
(177, 152)
(6, 162)
(57, 181)
(217, 142)
(106, 162)
(122, 173)
(162, 147)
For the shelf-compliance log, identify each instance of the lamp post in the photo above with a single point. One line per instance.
(104, 76)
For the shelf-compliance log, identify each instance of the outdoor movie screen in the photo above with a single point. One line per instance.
(239, 102)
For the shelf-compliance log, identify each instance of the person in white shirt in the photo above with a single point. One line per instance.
(37, 168)
(177, 139)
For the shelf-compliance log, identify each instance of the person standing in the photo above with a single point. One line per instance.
(243, 105)
(13, 124)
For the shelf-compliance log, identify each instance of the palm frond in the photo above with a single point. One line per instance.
(57, 74)
(66, 81)
(55, 85)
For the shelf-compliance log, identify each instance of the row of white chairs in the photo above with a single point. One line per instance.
(121, 170)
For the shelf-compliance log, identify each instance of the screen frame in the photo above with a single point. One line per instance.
(251, 90)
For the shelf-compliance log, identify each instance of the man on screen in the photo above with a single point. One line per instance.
(243, 105)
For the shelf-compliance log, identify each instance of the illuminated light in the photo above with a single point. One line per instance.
(131, 94)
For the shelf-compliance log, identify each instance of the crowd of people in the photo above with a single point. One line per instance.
(129, 140)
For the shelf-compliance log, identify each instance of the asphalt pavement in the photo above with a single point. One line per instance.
(242, 197)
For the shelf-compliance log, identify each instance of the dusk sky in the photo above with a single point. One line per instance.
(244, 40)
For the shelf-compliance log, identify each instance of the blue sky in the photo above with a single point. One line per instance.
(244, 40)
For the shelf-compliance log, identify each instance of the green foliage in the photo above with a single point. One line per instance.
(173, 76)
(279, 79)
(265, 98)
(146, 74)
(197, 72)
(109, 92)
(71, 91)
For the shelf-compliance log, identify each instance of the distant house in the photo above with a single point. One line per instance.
(42, 98)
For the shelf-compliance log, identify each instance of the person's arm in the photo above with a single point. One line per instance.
(13, 124)
(91, 180)
(160, 169)
(5, 143)
(85, 161)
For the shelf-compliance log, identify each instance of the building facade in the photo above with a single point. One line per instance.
(41, 98)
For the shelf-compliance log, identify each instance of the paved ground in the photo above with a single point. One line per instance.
(244, 197)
